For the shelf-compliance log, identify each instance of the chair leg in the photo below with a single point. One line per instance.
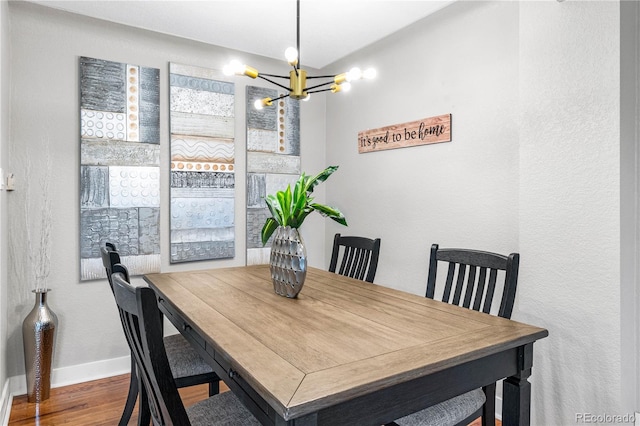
(131, 396)
(144, 413)
(489, 408)
(214, 387)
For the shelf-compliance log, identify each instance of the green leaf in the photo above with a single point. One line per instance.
(320, 177)
(269, 226)
(302, 217)
(286, 207)
(300, 201)
(284, 199)
(274, 208)
(341, 220)
(330, 212)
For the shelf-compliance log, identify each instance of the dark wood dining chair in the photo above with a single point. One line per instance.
(142, 324)
(359, 257)
(188, 367)
(472, 281)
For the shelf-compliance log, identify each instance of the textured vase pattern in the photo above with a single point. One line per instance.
(38, 335)
(288, 262)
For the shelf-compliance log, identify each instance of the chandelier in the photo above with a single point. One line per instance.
(298, 77)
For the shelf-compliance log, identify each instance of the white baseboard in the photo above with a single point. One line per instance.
(5, 404)
(17, 385)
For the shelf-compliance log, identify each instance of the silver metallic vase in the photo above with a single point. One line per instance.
(38, 335)
(288, 261)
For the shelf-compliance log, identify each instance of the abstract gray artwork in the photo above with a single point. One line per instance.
(202, 165)
(273, 161)
(119, 165)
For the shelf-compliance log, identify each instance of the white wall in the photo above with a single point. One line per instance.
(46, 45)
(570, 204)
(533, 166)
(4, 137)
(462, 60)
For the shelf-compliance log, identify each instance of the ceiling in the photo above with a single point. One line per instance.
(330, 29)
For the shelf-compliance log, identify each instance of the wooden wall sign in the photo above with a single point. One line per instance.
(420, 132)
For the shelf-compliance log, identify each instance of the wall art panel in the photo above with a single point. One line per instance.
(273, 161)
(202, 220)
(119, 165)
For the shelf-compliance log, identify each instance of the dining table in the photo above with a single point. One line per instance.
(344, 352)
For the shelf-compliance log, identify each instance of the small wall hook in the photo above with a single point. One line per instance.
(10, 182)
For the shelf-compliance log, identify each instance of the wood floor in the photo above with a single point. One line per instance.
(96, 403)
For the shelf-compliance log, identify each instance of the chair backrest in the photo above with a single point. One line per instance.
(110, 257)
(142, 326)
(359, 257)
(480, 268)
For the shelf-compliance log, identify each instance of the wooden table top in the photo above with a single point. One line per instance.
(340, 338)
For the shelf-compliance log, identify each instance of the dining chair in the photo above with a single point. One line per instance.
(359, 257)
(188, 367)
(472, 281)
(142, 324)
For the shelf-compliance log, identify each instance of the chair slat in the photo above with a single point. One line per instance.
(462, 271)
(346, 261)
(357, 263)
(491, 287)
(471, 284)
(363, 261)
(482, 278)
(446, 296)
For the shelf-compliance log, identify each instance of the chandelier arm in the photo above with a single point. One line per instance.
(280, 97)
(274, 75)
(320, 76)
(318, 91)
(273, 82)
(318, 85)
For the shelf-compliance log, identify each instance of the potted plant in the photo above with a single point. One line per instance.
(288, 260)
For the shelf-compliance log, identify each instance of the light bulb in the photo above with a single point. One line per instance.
(306, 98)
(233, 67)
(292, 55)
(346, 86)
(354, 73)
(369, 73)
(261, 103)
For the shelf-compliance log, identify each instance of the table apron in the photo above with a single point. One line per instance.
(399, 400)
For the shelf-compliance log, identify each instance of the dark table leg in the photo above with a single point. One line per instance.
(516, 391)
(489, 408)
